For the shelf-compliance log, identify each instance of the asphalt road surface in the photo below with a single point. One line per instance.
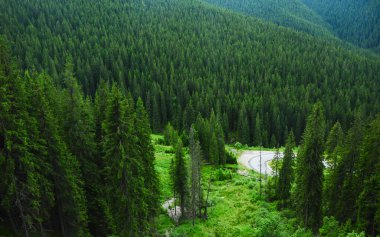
(251, 160)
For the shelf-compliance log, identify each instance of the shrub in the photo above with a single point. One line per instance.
(238, 145)
(221, 174)
(230, 158)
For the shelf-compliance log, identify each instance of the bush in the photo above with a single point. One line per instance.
(302, 233)
(270, 223)
(238, 145)
(170, 135)
(221, 174)
(330, 227)
(160, 141)
(230, 158)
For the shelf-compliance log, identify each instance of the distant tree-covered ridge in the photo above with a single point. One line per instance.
(353, 21)
(186, 57)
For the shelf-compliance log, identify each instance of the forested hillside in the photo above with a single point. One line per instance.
(85, 83)
(356, 21)
(294, 14)
(185, 58)
(69, 165)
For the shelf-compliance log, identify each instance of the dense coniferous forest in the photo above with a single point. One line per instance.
(84, 84)
(69, 165)
(183, 58)
(294, 14)
(354, 21)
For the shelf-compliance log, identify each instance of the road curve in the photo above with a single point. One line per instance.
(251, 160)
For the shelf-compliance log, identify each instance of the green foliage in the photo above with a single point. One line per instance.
(354, 21)
(221, 174)
(180, 173)
(368, 217)
(170, 135)
(230, 158)
(286, 175)
(309, 176)
(269, 76)
(293, 14)
(65, 170)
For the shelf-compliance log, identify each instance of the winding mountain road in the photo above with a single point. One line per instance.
(251, 160)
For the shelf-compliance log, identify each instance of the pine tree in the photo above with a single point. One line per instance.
(121, 164)
(79, 132)
(286, 173)
(258, 132)
(309, 179)
(196, 188)
(19, 190)
(243, 128)
(180, 177)
(214, 150)
(368, 202)
(221, 144)
(68, 183)
(334, 146)
(345, 189)
(334, 142)
(146, 154)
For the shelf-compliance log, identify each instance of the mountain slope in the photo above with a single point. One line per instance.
(357, 21)
(185, 57)
(294, 14)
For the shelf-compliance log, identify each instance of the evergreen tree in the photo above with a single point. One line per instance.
(221, 144)
(286, 175)
(368, 202)
(214, 150)
(121, 164)
(19, 184)
(196, 188)
(258, 133)
(79, 133)
(309, 178)
(243, 128)
(145, 151)
(334, 146)
(345, 189)
(334, 142)
(180, 177)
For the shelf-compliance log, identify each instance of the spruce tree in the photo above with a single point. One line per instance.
(243, 128)
(146, 154)
(258, 141)
(334, 146)
(368, 202)
(196, 188)
(286, 175)
(180, 177)
(221, 144)
(120, 165)
(19, 186)
(309, 178)
(334, 142)
(345, 189)
(214, 150)
(79, 133)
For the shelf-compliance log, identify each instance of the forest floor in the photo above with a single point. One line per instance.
(235, 206)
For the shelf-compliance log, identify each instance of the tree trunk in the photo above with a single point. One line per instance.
(21, 210)
(12, 222)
